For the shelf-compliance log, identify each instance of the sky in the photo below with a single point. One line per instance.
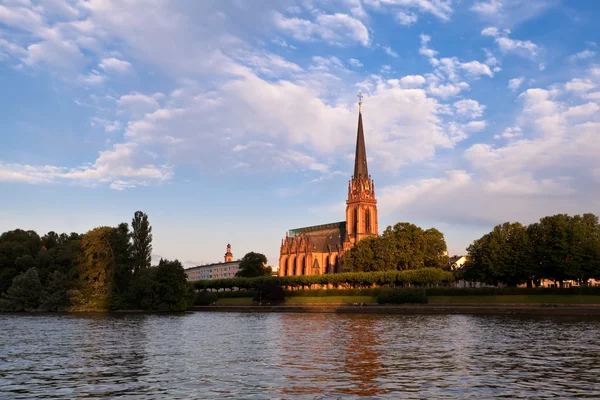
(235, 121)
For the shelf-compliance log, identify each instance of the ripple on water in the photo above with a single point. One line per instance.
(312, 356)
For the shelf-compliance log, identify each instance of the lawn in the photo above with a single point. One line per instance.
(301, 300)
(538, 298)
(330, 299)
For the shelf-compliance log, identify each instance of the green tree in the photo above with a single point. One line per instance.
(17, 250)
(24, 294)
(142, 241)
(503, 255)
(404, 246)
(55, 294)
(97, 267)
(167, 288)
(253, 264)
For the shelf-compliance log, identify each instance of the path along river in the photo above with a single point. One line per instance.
(311, 356)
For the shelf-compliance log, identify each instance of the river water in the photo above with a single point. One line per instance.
(305, 356)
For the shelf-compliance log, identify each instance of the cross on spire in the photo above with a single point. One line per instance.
(360, 97)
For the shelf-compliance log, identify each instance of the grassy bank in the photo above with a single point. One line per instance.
(524, 299)
(541, 298)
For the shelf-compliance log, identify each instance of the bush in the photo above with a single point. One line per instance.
(402, 296)
(333, 292)
(204, 298)
(269, 293)
(422, 276)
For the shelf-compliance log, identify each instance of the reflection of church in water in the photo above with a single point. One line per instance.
(317, 249)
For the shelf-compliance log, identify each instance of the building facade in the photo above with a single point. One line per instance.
(221, 270)
(317, 249)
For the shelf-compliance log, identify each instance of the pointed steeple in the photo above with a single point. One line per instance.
(360, 160)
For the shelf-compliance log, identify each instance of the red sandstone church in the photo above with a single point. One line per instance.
(317, 249)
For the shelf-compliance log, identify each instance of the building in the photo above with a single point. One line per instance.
(457, 262)
(317, 249)
(222, 270)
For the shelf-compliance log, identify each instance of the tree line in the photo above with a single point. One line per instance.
(558, 247)
(421, 276)
(404, 246)
(107, 268)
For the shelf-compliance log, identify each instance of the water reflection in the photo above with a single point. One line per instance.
(312, 356)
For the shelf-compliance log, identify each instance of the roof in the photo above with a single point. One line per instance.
(454, 259)
(219, 264)
(360, 160)
(321, 237)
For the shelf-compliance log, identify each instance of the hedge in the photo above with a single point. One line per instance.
(430, 291)
(423, 276)
(402, 296)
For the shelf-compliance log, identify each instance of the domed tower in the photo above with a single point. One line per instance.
(361, 206)
(228, 254)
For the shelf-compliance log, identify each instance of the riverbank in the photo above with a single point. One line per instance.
(516, 309)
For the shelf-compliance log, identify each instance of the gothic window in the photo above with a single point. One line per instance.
(326, 267)
(367, 221)
(303, 265)
(355, 221)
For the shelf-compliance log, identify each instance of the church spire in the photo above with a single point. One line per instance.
(360, 160)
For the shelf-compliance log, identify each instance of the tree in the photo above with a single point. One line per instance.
(18, 249)
(404, 246)
(142, 241)
(253, 264)
(503, 255)
(55, 294)
(25, 292)
(123, 258)
(168, 289)
(97, 267)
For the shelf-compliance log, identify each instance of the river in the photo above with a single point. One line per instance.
(305, 356)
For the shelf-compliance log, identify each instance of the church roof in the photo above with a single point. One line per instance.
(360, 160)
(321, 237)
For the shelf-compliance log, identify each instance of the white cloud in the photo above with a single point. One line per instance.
(515, 83)
(583, 110)
(115, 65)
(510, 133)
(389, 51)
(475, 126)
(476, 68)
(138, 103)
(412, 81)
(91, 79)
(336, 29)
(582, 55)
(508, 45)
(354, 62)
(125, 165)
(469, 108)
(406, 18)
(488, 8)
(441, 9)
(580, 85)
(425, 50)
(490, 31)
(446, 91)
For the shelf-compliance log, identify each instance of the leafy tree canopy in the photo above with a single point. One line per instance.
(252, 265)
(404, 246)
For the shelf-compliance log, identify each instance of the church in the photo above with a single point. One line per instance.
(315, 250)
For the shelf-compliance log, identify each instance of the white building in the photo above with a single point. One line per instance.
(221, 270)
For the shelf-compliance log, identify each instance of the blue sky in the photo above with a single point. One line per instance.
(234, 121)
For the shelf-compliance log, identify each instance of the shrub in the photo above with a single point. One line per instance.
(402, 296)
(204, 298)
(269, 293)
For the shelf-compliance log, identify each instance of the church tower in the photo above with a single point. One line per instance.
(361, 206)
(228, 254)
